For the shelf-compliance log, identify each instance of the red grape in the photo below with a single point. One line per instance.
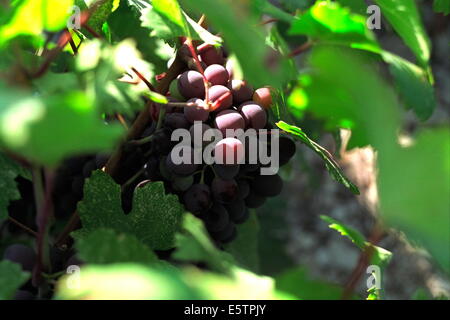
(254, 115)
(229, 151)
(241, 91)
(229, 119)
(216, 92)
(217, 74)
(191, 85)
(200, 113)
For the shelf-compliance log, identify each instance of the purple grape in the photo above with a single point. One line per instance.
(244, 188)
(197, 198)
(215, 92)
(229, 151)
(224, 191)
(236, 210)
(198, 141)
(217, 74)
(267, 185)
(254, 115)
(287, 150)
(241, 91)
(229, 119)
(212, 55)
(191, 85)
(182, 169)
(225, 235)
(176, 121)
(22, 255)
(217, 218)
(226, 172)
(200, 113)
(181, 184)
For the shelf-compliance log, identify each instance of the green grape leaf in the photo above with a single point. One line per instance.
(9, 170)
(105, 246)
(32, 17)
(331, 165)
(11, 278)
(299, 283)
(156, 97)
(357, 98)
(195, 245)
(380, 257)
(100, 65)
(414, 188)
(124, 281)
(412, 84)
(265, 7)
(244, 248)
(224, 16)
(33, 125)
(100, 14)
(356, 6)
(404, 17)
(152, 48)
(154, 219)
(332, 23)
(170, 10)
(441, 6)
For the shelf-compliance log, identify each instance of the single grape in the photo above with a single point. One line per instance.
(176, 121)
(216, 74)
(198, 141)
(224, 191)
(229, 119)
(222, 92)
(226, 172)
(191, 85)
(212, 55)
(22, 255)
(182, 169)
(263, 97)
(200, 113)
(162, 142)
(287, 150)
(254, 200)
(267, 185)
(216, 218)
(241, 91)
(197, 198)
(254, 115)
(229, 151)
(230, 68)
(225, 235)
(236, 210)
(243, 188)
(181, 184)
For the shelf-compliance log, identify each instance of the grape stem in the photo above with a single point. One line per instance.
(43, 219)
(364, 260)
(134, 177)
(22, 226)
(199, 67)
(304, 47)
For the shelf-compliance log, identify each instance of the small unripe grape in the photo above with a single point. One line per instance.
(263, 97)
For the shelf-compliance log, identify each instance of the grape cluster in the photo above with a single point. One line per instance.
(220, 194)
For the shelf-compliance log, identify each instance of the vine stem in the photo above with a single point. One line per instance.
(307, 45)
(363, 262)
(43, 219)
(22, 226)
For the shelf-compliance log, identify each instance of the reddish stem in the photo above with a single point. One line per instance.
(199, 67)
